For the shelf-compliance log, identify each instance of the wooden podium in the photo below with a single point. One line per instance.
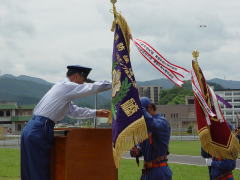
(81, 153)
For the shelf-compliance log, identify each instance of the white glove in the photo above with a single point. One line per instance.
(208, 162)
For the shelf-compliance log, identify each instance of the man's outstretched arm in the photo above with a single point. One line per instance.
(81, 113)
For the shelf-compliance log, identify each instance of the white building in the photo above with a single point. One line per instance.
(233, 97)
(13, 117)
(152, 92)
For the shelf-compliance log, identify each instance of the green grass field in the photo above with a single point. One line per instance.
(9, 168)
(129, 171)
(10, 164)
(185, 148)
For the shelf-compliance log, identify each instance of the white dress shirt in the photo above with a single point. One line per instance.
(57, 102)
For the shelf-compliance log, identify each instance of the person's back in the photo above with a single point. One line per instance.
(56, 103)
(155, 148)
(159, 136)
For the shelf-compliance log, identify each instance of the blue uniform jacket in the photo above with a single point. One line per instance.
(159, 129)
(221, 167)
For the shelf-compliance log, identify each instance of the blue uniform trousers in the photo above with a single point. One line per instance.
(36, 143)
(159, 173)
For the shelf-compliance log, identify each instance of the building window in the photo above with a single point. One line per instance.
(19, 127)
(236, 93)
(228, 93)
(1, 113)
(237, 106)
(190, 101)
(174, 115)
(229, 119)
(236, 100)
(228, 100)
(8, 113)
(140, 92)
(229, 113)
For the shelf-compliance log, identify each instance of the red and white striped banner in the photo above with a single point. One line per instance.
(199, 94)
(171, 71)
(216, 105)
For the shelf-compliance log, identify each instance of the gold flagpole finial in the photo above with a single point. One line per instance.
(113, 1)
(195, 54)
(114, 7)
(114, 13)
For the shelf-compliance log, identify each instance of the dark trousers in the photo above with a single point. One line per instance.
(36, 143)
(209, 171)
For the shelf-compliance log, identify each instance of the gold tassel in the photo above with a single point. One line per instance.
(229, 152)
(113, 25)
(110, 118)
(134, 133)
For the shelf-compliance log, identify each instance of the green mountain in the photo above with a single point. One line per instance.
(226, 84)
(21, 91)
(176, 95)
(165, 83)
(29, 90)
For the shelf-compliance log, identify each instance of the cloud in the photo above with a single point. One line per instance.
(40, 38)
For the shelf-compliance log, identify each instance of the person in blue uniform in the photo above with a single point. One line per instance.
(206, 155)
(155, 148)
(37, 136)
(221, 169)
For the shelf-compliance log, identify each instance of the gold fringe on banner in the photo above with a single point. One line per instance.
(232, 149)
(224, 152)
(127, 139)
(110, 118)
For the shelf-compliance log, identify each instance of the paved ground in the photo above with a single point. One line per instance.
(14, 147)
(12, 142)
(186, 159)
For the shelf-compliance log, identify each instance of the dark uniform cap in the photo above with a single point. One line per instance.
(84, 71)
(145, 101)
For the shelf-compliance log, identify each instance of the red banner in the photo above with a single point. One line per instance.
(215, 136)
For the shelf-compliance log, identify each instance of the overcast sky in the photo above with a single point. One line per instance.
(41, 37)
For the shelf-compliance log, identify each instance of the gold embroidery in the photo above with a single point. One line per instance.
(129, 74)
(116, 37)
(116, 84)
(125, 57)
(119, 59)
(120, 47)
(130, 107)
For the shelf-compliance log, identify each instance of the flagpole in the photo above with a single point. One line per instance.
(114, 7)
(114, 13)
(195, 55)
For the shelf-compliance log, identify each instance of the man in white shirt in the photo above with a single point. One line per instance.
(37, 136)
